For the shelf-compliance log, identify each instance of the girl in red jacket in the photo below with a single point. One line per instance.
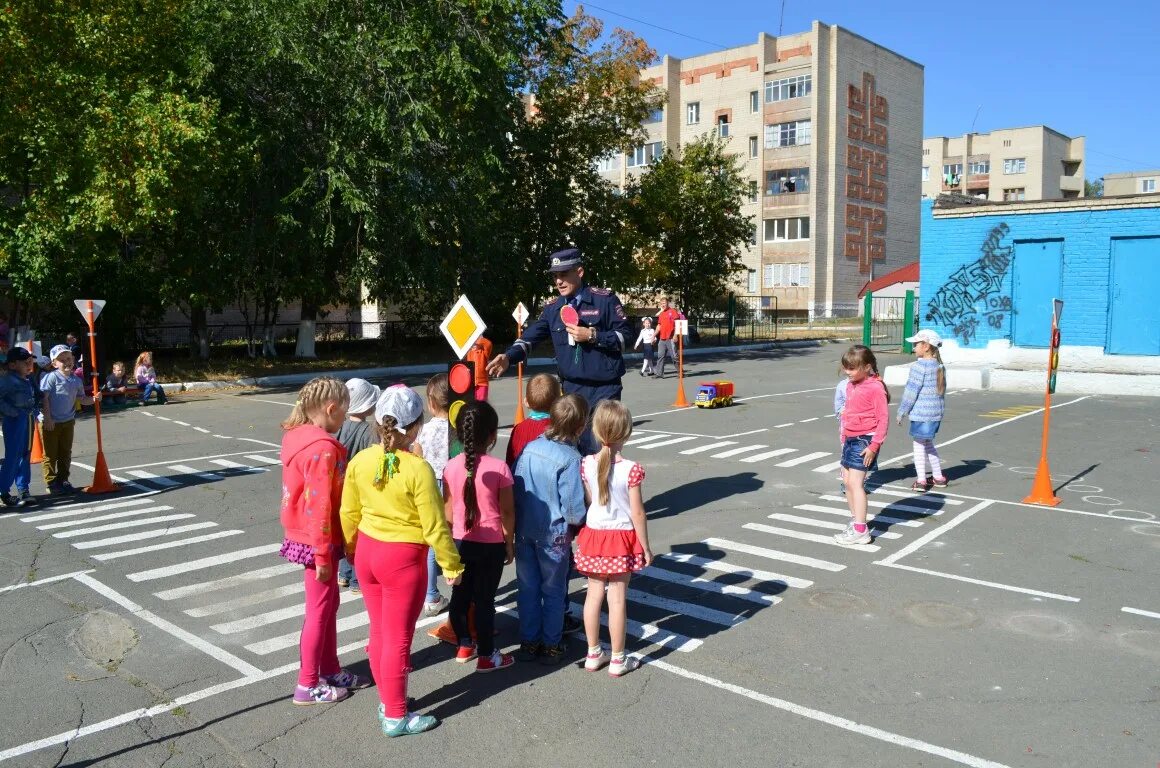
(865, 420)
(313, 464)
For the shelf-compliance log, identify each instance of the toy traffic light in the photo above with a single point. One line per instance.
(1054, 361)
(461, 380)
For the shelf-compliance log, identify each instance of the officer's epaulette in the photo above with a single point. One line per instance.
(555, 299)
(601, 291)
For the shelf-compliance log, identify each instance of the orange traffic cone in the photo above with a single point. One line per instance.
(446, 633)
(1041, 490)
(37, 446)
(102, 482)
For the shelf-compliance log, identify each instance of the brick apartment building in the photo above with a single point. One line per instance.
(829, 126)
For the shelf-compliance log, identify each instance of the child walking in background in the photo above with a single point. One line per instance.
(839, 406)
(924, 400)
(865, 421)
(356, 434)
(614, 540)
(434, 446)
(541, 391)
(313, 464)
(549, 498)
(61, 390)
(391, 512)
(477, 492)
(647, 338)
(147, 378)
(18, 406)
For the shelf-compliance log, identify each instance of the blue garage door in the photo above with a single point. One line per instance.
(1037, 272)
(1134, 328)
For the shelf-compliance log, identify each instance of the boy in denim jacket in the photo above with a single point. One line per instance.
(17, 406)
(549, 496)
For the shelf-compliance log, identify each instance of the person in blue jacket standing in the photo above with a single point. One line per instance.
(18, 408)
(592, 365)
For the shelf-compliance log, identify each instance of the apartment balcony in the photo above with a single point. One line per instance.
(786, 199)
(1071, 184)
(977, 182)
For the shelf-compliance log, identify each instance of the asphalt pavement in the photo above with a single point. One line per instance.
(157, 625)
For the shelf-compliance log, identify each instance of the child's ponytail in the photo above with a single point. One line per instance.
(942, 371)
(478, 423)
(315, 394)
(612, 425)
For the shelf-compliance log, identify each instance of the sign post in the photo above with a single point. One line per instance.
(520, 313)
(102, 482)
(681, 327)
(1041, 490)
(37, 455)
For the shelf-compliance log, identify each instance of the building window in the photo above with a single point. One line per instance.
(723, 126)
(793, 228)
(645, 154)
(693, 112)
(1018, 193)
(751, 283)
(951, 174)
(1147, 185)
(788, 88)
(787, 181)
(787, 134)
(608, 163)
(1015, 165)
(754, 101)
(753, 191)
(753, 146)
(786, 275)
(1006, 142)
(753, 236)
(979, 167)
(925, 152)
(656, 116)
(926, 173)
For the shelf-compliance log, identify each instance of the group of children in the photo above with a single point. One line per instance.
(367, 482)
(861, 405)
(118, 387)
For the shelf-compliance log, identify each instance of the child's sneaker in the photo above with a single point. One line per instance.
(26, 497)
(850, 537)
(493, 662)
(529, 651)
(348, 680)
(465, 653)
(343, 581)
(323, 693)
(595, 661)
(618, 667)
(434, 609)
(939, 482)
(411, 723)
(8, 500)
(919, 487)
(552, 655)
(67, 487)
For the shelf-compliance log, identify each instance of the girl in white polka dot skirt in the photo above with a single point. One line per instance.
(614, 540)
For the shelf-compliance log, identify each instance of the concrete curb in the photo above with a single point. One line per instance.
(296, 379)
(985, 377)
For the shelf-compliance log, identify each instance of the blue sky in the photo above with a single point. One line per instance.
(1082, 68)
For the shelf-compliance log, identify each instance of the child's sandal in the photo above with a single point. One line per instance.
(919, 487)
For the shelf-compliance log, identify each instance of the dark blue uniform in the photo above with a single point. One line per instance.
(593, 369)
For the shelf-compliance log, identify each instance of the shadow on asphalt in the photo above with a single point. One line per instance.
(704, 492)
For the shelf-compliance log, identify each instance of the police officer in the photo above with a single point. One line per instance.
(593, 365)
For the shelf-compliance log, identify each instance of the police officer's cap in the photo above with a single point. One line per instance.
(565, 260)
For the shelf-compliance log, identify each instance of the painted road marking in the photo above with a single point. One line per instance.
(142, 535)
(272, 617)
(892, 506)
(101, 518)
(202, 430)
(182, 423)
(980, 582)
(672, 441)
(187, 470)
(932, 535)
(167, 545)
(783, 426)
(709, 447)
(39, 582)
(803, 459)
(727, 567)
(164, 482)
(290, 639)
(206, 562)
(647, 439)
(814, 537)
(1139, 612)
(244, 602)
(685, 609)
(738, 451)
(774, 554)
(831, 526)
(181, 461)
(708, 585)
(831, 467)
(913, 496)
(85, 510)
(767, 455)
(649, 632)
(263, 459)
(228, 582)
(846, 513)
(807, 421)
(123, 524)
(1014, 410)
(240, 467)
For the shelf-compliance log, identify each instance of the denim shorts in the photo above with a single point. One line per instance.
(924, 430)
(852, 454)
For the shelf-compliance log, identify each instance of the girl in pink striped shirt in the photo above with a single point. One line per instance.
(865, 421)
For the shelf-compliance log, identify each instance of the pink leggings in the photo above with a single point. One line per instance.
(318, 647)
(393, 577)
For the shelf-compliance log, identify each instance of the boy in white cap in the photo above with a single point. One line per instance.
(61, 389)
(355, 435)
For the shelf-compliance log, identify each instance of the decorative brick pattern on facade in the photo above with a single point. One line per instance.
(866, 173)
(720, 70)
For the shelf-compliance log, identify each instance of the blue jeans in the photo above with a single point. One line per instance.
(542, 575)
(924, 430)
(432, 567)
(17, 451)
(346, 571)
(149, 389)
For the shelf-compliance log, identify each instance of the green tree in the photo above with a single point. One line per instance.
(1093, 188)
(687, 211)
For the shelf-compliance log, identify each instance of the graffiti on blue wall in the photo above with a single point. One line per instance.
(974, 293)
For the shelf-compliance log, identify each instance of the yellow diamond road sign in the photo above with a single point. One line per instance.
(462, 327)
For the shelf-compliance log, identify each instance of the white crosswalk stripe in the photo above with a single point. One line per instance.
(123, 524)
(271, 617)
(774, 554)
(167, 545)
(205, 562)
(833, 466)
(263, 459)
(143, 535)
(256, 598)
(685, 609)
(767, 455)
(239, 467)
(708, 585)
(893, 506)
(75, 511)
(290, 639)
(646, 439)
(226, 583)
(738, 451)
(803, 459)
(102, 518)
(813, 537)
(650, 633)
(727, 567)
(164, 482)
(186, 470)
(936, 497)
(846, 513)
(828, 525)
(661, 443)
(709, 447)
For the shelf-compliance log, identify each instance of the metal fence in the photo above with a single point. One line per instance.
(388, 334)
(888, 320)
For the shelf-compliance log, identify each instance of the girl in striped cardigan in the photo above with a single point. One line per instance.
(924, 402)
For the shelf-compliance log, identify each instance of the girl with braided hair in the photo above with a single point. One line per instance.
(313, 463)
(391, 513)
(478, 501)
